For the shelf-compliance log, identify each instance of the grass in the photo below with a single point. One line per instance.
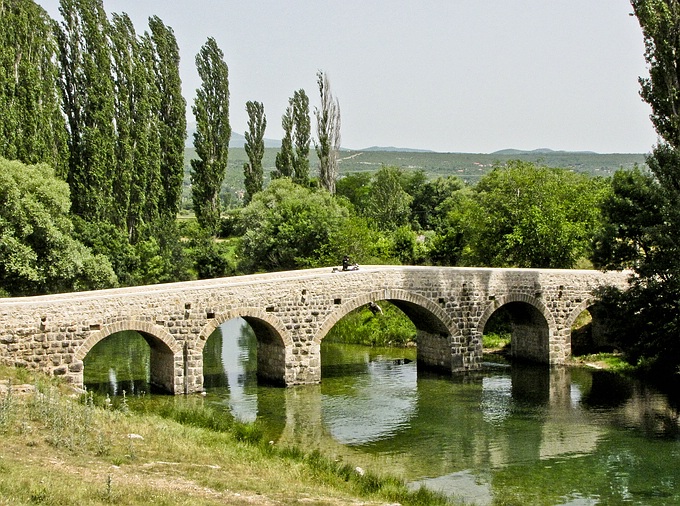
(496, 340)
(59, 448)
(613, 362)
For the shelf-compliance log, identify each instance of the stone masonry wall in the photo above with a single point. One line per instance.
(290, 312)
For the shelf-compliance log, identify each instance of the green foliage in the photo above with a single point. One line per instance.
(529, 216)
(388, 206)
(211, 139)
(301, 137)
(355, 187)
(408, 249)
(642, 213)
(286, 156)
(172, 117)
(254, 146)
(211, 259)
(361, 326)
(32, 127)
(288, 226)
(88, 88)
(38, 253)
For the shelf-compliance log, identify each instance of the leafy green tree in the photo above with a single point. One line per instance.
(642, 213)
(136, 183)
(37, 251)
(288, 226)
(355, 187)
(32, 127)
(285, 157)
(172, 118)
(529, 216)
(88, 99)
(427, 209)
(302, 137)
(448, 245)
(388, 206)
(328, 133)
(254, 146)
(211, 139)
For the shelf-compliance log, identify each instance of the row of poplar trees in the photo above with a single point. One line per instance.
(104, 107)
(100, 104)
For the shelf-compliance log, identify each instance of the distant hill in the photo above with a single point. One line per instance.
(390, 149)
(540, 151)
(237, 140)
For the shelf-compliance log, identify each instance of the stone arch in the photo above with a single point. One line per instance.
(585, 304)
(273, 339)
(425, 314)
(599, 338)
(440, 345)
(532, 342)
(166, 353)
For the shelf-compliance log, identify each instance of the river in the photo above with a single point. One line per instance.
(510, 434)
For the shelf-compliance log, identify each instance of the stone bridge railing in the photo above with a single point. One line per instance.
(291, 312)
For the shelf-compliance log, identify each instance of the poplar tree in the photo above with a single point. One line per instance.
(328, 132)
(285, 157)
(172, 115)
(211, 139)
(88, 100)
(302, 137)
(254, 146)
(32, 127)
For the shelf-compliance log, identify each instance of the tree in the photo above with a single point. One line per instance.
(529, 216)
(301, 136)
(293, 159)
(288, 226)
(285, 157)
(32, 127)
(254, 146)
(642, 214)
(88, 99)
(136, 184)
(427, 208)
(172, 118)
(355, 187)
(388, 206)
(328, 132)
(37, 251)
(211, 139)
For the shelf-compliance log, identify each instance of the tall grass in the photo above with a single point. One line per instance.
(94, 434)
(361, 326)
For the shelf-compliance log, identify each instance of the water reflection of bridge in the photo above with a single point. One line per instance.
(533, 414)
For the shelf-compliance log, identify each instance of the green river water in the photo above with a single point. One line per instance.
(510, 434)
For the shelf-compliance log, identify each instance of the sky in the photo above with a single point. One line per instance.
(471, 76)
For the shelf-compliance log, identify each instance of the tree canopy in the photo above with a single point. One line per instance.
(37, 251)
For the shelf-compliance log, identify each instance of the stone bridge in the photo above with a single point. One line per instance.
(291, 312)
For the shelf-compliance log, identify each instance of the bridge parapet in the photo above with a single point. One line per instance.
(291, 312)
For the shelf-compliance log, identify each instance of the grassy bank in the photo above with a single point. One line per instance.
(59, 448)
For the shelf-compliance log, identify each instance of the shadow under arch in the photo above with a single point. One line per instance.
(166, 353)
(598, 337)
(439, 343)
(533, 326)
(272, 340)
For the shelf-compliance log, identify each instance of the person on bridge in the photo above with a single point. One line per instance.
(347, 264)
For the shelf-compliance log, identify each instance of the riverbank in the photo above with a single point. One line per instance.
(59, 448)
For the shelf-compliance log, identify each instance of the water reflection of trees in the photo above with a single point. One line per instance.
(120, 362)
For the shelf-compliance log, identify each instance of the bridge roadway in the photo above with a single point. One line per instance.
(292, 311)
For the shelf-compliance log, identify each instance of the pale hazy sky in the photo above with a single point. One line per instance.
(447, 75)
